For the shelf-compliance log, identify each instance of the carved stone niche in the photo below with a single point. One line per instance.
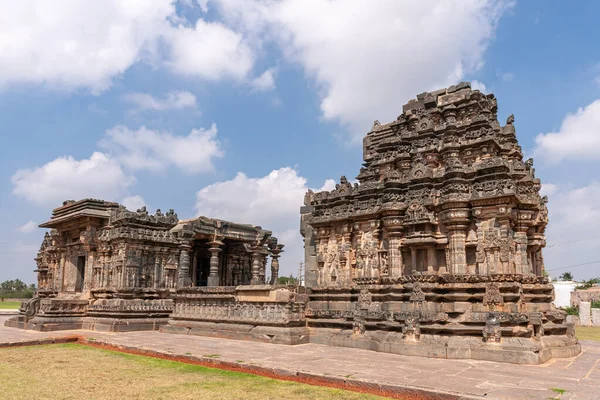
(491, 331)
(412, 327)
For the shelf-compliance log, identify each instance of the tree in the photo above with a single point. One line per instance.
(286, 280)
(566, 276)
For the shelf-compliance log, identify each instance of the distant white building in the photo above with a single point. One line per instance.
(562, 292)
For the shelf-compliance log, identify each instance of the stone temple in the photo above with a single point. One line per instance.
(436, 251)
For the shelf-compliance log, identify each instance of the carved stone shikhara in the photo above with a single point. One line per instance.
(444, 228)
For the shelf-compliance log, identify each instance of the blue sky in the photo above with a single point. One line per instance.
(232, 109)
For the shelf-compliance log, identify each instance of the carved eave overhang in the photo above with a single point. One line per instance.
(209, 228)
(76, 211)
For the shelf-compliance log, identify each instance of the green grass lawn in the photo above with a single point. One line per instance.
(71, 371)
(587, 333)
(13, 305)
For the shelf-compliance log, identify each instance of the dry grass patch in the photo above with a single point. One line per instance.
(71, 371)
(587, 333)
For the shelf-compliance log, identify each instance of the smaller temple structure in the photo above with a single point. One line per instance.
(104, 267)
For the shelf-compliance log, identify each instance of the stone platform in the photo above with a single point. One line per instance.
(432, 378)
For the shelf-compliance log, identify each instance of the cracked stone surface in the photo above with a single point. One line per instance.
(579, 376)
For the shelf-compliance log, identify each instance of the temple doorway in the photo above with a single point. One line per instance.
(202, 270)
(201, 263)
(80, 273)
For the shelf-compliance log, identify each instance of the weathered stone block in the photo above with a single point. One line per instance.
(585, 313)
(595, 317)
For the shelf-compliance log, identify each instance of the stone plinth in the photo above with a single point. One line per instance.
(595, 316)
(506, 318)
(585, 313)
(256, 312)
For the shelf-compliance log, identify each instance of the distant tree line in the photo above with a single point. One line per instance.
(16, 289)
(286, 280)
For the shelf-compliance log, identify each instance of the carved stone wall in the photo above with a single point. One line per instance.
(443, 189)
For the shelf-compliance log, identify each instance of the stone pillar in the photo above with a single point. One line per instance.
(213, 274)
(275, 254)
(431, 260)
(458, 254)
(395, 256)
(256, 257)
(456, 219)
(194, 267)
(183, 278)
(61, 272)
(157, 269)
(413, 259)
(521, 257)
(393, 226)
(585, 309)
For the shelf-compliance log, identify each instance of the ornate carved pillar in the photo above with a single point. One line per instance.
(456, 219)
(257, 255)
(194, 267)
(61, 271)
(184, 267)
(157, 269)
(458, 255)
(275, 254)
(213, 274)
(521, 262)
(393, 226)
(345, 254)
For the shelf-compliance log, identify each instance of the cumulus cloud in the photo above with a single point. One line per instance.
(578, 137)
(99, 176)
(272, 201)
(69, 45)
(134, 202)
(209, 50)
(479, 86)
(572, 235)
(177, 100)
(548, 189)
(368, 61)
(264, 82)
(154, 150)
(28, 227)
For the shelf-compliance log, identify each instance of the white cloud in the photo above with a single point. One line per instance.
(28, 227)
(69, 44)
(508, 76)
(272, 201)
(369, 61)
(177, 100)
(266, 81)
(134, 202)
(99, 176)
(548, 189)
(210, 50)
(572, 231)
(154, 150)
(578, 137)
(479, 86)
